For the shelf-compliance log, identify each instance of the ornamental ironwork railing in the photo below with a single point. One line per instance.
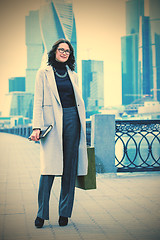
(137, 145)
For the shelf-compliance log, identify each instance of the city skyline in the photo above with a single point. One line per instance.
(103, 24)
(102, 42)
(140, 49)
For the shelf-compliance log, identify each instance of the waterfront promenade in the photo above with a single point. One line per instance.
(123, 207)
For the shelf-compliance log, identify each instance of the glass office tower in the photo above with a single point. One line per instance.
(145, 56)
(136, 49)
(131, 87)
(154, 14)
(92, 86)
(131, 84)
(17, 84)
(134, 9)
(18, 102)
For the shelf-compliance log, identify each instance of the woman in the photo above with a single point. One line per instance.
(63, 151)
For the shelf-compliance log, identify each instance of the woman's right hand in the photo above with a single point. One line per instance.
(35, 135)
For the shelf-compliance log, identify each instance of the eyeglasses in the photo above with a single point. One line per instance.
(61, 50)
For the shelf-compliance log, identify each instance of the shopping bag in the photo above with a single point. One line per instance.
(88, 181)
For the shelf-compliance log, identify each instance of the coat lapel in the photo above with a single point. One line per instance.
(52, 83)
(77, 92)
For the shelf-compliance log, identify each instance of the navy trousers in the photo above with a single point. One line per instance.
(71, 136)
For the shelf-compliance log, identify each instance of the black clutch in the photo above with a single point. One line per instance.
(43, 133)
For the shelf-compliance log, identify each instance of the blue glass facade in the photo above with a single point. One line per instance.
(137, 57)
(147, 68)
(18, 104)
(35, 49)
(134, 9)
(17, 84)
(131, 66)
(154, 13)
(157, 62)
(131, 88)
(92, 86)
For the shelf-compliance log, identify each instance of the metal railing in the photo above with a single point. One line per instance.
(26, 131)
(137, 145)
(21, 131)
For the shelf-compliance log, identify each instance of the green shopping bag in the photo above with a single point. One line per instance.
(88, 181)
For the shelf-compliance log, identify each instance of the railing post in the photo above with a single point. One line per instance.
(103, 140)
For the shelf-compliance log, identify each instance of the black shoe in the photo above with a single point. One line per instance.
(39, 222)
(63, 221)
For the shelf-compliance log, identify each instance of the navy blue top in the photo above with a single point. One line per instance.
(64, 85)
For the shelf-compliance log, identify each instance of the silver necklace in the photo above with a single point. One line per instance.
(61, 76)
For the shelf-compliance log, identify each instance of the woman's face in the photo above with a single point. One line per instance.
(62, 52)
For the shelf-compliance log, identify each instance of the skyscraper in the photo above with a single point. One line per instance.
(131, 88)
(154, 14)
(137, 59)
(145, 56)
(17, 84)
(54, 20)
(17, 101)
(134, 9)
(131, 85)
(35, 48)
(92, 86)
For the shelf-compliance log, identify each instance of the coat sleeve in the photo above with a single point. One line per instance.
(38, 101)
(76, 79)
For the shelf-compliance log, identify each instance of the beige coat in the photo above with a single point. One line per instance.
(48, 110)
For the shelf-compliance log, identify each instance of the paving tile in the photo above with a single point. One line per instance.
(14, 209)
(123, 207)
(15, 226)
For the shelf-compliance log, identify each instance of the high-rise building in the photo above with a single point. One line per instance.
(154, 14)
(131, 87)
(35, 48)
(140, 71)
(17, 84)
(54, 20)
(18, 102)
(92, 86)
(131, 84)
(134, 9)
(145, 56)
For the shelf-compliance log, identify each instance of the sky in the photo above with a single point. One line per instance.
(100, 25)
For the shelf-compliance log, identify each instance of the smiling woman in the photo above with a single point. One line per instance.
(63, 151)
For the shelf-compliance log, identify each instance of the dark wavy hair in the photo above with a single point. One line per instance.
(52, 54)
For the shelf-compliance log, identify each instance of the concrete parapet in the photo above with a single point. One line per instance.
(103, 140)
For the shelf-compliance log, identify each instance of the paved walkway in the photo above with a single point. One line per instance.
(124, 206)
